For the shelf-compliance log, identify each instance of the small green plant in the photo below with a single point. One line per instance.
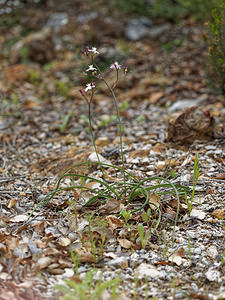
(146, 216)
(126, 214)
(216, 47)
(34, 77)
(136, 281)
(189, 200)
(24, 52)
(87, 288)
(143, 235)
(103, 121)
(189, 249)
(15, 99)
(140, 118)
(65, 121)
(173, 173)
(222, 258)
(124, 106)
(63, 88)
(165, 243)
(170, 46)
(75, 260)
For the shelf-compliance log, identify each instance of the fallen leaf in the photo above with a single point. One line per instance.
(56, 271)
(12, 202)
(125, 243)
(111, 206)
(85, 257)
(43, 263)
(139, 153)
(63, 241)
(114, 222)
(154, 201)
(163, 263)
(219, 214)
(155, 97)
(220, 176)
(29, 104)
(177, 256)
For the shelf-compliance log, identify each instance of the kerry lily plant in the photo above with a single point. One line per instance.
(130, 188)
(94, 73)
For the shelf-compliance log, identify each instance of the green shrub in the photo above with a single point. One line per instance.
(216, 46)
(135, 7)
(166, 9)
(201, 10)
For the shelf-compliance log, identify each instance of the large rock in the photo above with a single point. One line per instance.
(142, 27)
(37, 47)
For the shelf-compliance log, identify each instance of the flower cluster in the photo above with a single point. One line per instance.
(89, 86)
(94, 71)
(115, 66)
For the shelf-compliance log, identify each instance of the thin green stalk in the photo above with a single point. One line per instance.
(92, 135)
(117, 113)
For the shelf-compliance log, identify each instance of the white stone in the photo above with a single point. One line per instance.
(198, 214)
(93, 157)
(212, 251)
(147, 270)
(212, 275)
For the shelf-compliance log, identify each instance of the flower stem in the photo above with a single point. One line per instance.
(92, 133)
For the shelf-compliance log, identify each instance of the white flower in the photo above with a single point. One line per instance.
(91, 68)
(115, 66)
(89, 86)
(93, 50)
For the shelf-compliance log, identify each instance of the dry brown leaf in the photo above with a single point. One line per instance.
(159, 147)
(63, 241)
(220, 176)
(219, 214)
(180, 252)
(111, 206)
(30, 104)
(125, 243)
(12, 202)
(43, 263)
(193, 295)
(56, 271)
(114, 222)
(177, 256)
(139, 153)
(155, 97)
(154, 199)
(85, 257)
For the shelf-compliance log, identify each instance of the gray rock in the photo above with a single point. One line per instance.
(84, 18)
(57, 20)
(157, 31)
(137, 29)
(119, 262)
(186, 103)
